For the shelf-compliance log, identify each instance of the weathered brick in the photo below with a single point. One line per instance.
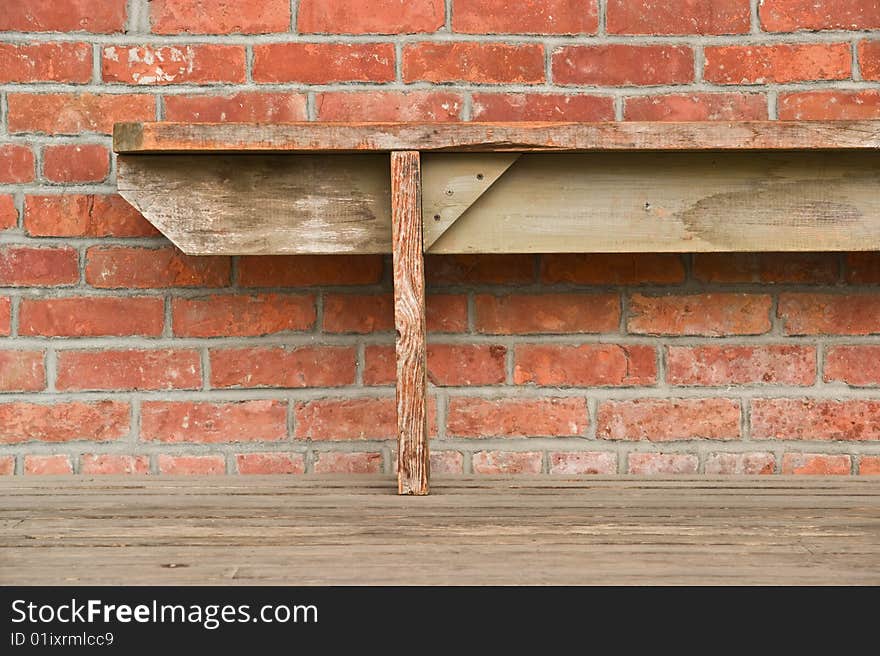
(323, 63)
(53, 465)
(74, 113)
(525, 17)
(831, 314)
(192, 465)
(869, 60)
(612, 268)
(869, 465)
(792, 15)
(45, 62)
(741, 365)
(780, 63)
(100, 16)
(661, 420)
(434, 106)
(743, 464)
(508, 462)
(547, 313)
(177, 64)
(476, 417)
(361, 314)
(101, 421)
(541, 107)
(448, 364)
(8, 212)
(207, 422)
(817, 464)
(270, 366)
(829, 105)
(583, 462)
(7, 465)
(699, 314)
(351, 419)
(242, 316)
(92, 316)
(83, 215)
(863, 268)
(489, 269)
(585, 365)
(697, 107)
(376, 17)
(22, 371)
(243, 107)
(814, 419)
(483, 63)
(803, 268)
(76, 163)
(125, 267)
(27, 266)
(442, 462)
(110, 463)
(652, 464)
(623, 65)
(219, 16)
(16, 164)
(678, 17)
(858, 366)
(270, 463)
(340, 462)
(129, 369)
(5, 314)
(305, 270)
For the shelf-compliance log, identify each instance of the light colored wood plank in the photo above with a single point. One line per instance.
(409, 320)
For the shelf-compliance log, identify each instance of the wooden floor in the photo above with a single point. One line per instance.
(355, 530)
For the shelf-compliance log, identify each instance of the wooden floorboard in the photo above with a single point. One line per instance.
(471, 530)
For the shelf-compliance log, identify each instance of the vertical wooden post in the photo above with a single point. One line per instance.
(409, 320)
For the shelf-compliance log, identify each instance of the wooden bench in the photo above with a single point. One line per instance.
(408, 189)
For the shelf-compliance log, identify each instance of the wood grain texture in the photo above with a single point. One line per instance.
(161, 137)
(409, 320)
(302, 530)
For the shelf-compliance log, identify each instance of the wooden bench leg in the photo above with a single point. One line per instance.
(409, 320)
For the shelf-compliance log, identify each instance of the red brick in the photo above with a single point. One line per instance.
(792, 15)
(525, 17)
(192, 465)
(780, 63)
(489, 269)
(74, 113)
(362, 314)
(623, 65)
(475, 417)
(863, 268)
(84, 215)
(92, 316)
(699, 314)
(116, 267)
(45, 62)
(219, 16)
(8, 212)
(448, 364)
(241, 316)
(22, 371)
(446, 313)
(583, 462)
(869, 465)
(338, 462)
(7, 465)
(817, 464)
(101, 16)
(25, 266)
(177, 64)
(741, 365)
(270, 463)
(130, 369)
(376, 17)
(803, 268)
(586, 365)
(204, 422)
(661, 420)
(508, 462)
(76, 163)
(101, 421)
(442, 462)
(434, 106)
(113, 464)
(244, 107)
(5, 315)
(48, 465)
(16, 164)
(612, 268)
(829, 105)
(324, 63)
(829, 314)
(652, 464)
(547, 313)
(678, 17)
(541, 107)
(482, 63)
(812, 419)
(869, 60)
(351, 419)
(306, 270)
(858, 366)
(741, 464)
(697, 107)
(269, 366)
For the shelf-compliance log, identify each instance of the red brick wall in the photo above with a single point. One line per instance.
(119, 354)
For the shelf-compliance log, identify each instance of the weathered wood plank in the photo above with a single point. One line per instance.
(409, 320)
(494, 137)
